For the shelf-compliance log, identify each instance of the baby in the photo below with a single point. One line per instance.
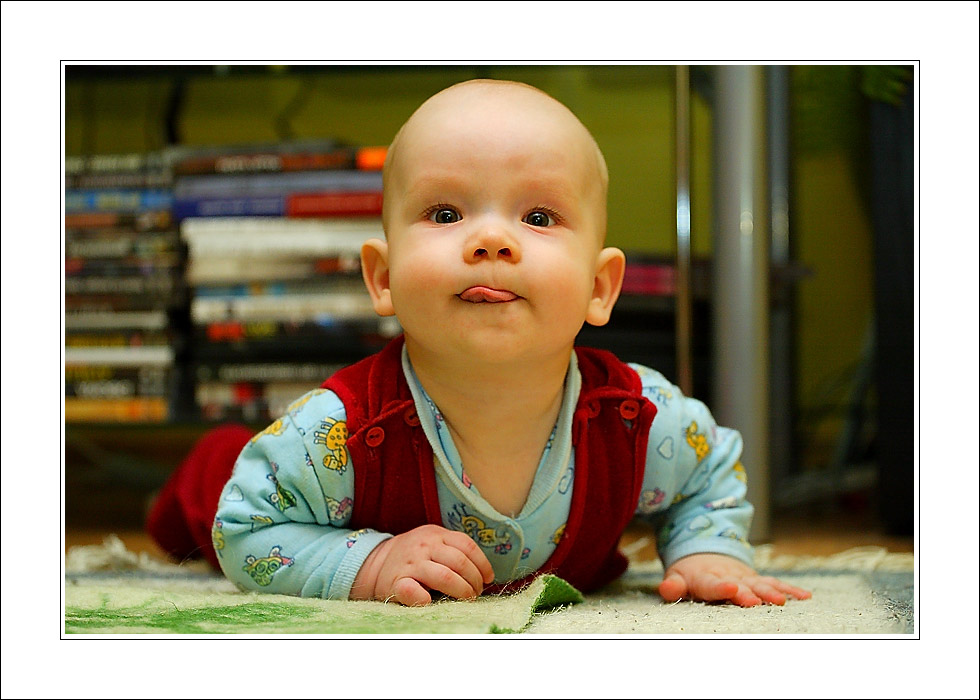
(480, 447)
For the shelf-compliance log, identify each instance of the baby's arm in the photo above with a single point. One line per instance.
(694, 494)
(282, 522)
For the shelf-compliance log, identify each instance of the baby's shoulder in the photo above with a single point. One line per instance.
(672, 404)
(314, 408)
(653, 383)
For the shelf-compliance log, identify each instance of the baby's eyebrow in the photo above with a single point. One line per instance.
(424, 185)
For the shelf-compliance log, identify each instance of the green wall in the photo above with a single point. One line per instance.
(629, 110)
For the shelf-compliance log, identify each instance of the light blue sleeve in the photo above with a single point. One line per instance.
(281, 525)
(694, 484)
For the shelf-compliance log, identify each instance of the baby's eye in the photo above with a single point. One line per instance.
(444, 215)
(539, 218)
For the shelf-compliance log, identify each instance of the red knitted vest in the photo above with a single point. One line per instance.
(395, 483)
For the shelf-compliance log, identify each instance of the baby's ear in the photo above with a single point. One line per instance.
(374, 268)
(610, 268)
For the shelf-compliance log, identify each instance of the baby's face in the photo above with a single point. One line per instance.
(495, 217)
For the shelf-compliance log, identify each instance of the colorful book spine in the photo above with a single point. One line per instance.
(154, 284)
(266, 371)
(148, 375)
(116, 338)
(308, 204)
(156, 220)
(154, 320)
(278, 237)
(117, 388)
(137, 409)
(167, 262)
(121, 245)
(116, 163)
(293, 307)
(122, 201)
(117, 180)
(281, 158)
(317, 204)
(225, 269)
(264, 184)
(145, 356)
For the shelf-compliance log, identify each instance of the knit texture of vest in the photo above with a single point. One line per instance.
(394, 475)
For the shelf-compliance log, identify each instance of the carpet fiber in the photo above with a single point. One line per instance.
(109, 590)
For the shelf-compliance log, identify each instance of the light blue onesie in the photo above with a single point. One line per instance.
(281, 525)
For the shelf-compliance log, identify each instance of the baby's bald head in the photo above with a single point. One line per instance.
(486, 105)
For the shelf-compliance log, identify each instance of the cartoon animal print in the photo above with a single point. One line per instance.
(697, 440)
(503, 548)
(740, 472)
(217, 536)
(352, 537)
(726, 502)
(559, 533)
(649, 500)
(700, 522)
(566, 480)
(260, 521)
(476, 528)
(333, 434)
(339, 510)
(733, 534)
(278, 427)
(281, 498)
(262, 570)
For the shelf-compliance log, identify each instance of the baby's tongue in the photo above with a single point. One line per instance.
(486, 294)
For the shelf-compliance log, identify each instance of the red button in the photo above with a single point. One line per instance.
(375, 436)
(629, 409)
(411, 417)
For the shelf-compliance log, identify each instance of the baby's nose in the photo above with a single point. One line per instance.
(491, 238)
(493, 252)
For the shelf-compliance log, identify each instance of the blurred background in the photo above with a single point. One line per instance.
(213, 213)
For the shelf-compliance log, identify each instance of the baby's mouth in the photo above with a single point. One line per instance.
(480, 295)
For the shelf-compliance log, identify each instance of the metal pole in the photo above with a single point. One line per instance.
(682, 298)
(740, 286)
(781, 328)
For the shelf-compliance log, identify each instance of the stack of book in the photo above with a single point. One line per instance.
(273, 235)
(123, 287)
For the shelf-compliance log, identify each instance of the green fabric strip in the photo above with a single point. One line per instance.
(128, 608)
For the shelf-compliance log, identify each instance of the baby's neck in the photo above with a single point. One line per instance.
(500, 417)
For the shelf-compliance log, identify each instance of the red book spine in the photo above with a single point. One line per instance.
(333, 204)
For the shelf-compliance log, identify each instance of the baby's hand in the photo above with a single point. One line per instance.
(716, 577)
(406, 567)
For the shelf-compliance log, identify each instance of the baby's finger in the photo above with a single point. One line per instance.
(468, 547)
(457, 561)
(438, 577)
(795, 591)
(745, 597)
(408, 591)
(673, 588)
(767, 593)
